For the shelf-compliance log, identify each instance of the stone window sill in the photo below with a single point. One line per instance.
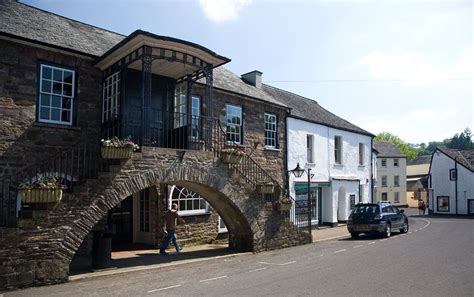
(194, 214)
(56, 126)
(271, 149)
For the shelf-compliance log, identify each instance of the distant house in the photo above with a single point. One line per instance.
(337, 152)
(391, 174)
(451, 182)
(417, 180)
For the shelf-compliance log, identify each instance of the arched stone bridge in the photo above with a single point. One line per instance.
(43, 255)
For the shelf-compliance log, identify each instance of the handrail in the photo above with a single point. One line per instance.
(253, 173)
(74, 165)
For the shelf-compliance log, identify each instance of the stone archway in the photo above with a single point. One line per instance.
(48, 251)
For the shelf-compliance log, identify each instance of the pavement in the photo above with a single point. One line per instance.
(140, 260)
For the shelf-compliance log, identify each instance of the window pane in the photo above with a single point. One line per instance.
(57, 88)
(66, 103)
(68, 77)
(189, 205)
(196, 204)
(182, 205)
(55, 114)
(57, 75)
(67, 90)
(65, 116)
(56, 101)
(46, 72)
(45, 100)
(46, 86)
(44, 113)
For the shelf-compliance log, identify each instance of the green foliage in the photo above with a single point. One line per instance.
(402, 145)
(460, 141)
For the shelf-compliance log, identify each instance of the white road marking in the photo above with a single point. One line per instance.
(258, 269)
(410, 232)
(318, 256)
(372, 242)
(358, 246)
(402, 234)
(416, 230)
(340, 251)
(156, 290)
(384, 239)
(211, 279)
(227, 260)
(279, 264)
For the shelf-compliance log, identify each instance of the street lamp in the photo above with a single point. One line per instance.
(298, 172)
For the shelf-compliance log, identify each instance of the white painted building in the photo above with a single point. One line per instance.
(338, 153)
(451, 182)
(391, 174)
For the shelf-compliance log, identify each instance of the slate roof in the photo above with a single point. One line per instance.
(464, 157)
(229, 81)
(18, 19)
(308, 109)
(387, 149)
(425, 159)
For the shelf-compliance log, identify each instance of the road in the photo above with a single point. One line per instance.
(435, 258)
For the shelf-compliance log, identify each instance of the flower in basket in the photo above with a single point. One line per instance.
(233, 151)
(48, 182)
(120, 143)
(285, 200)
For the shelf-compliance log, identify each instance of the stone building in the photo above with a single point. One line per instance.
(65, 85)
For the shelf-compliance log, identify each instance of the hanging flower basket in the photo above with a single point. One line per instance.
(110, 152)
(41, 195)
(115, 148)
(232, 156)
(45, 189)
(265, 188)
(284, 206)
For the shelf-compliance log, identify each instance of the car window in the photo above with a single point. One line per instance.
(387, 209)
(395, 210)
(366, 209)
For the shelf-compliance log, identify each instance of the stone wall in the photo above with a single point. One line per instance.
(42, 255)
(22, 139)
(253, 111)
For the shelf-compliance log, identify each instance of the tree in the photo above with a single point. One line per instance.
(461, 141)
(397, 141)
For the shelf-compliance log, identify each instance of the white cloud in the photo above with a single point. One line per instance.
(223, 10)
(414, 68)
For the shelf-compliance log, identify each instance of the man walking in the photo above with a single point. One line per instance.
(169, 228)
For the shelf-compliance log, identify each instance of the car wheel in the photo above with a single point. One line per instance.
(404, 228)
(355, 235)
(388, 230)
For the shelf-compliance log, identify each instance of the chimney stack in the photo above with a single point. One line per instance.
(254, 78)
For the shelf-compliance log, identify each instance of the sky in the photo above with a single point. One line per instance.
(400, 66)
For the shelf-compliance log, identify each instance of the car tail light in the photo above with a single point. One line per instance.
(378, 217)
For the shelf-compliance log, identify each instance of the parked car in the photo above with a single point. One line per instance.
(381, 217)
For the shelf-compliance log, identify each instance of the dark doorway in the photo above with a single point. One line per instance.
(122, 224)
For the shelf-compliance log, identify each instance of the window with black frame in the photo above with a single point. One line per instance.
(443, 203)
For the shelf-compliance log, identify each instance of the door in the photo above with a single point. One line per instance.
(122, 222)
